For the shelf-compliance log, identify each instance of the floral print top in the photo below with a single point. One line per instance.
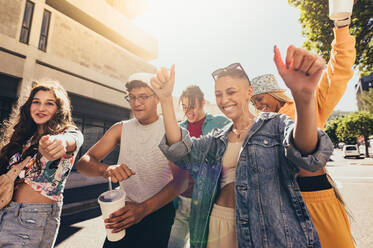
(50, 180)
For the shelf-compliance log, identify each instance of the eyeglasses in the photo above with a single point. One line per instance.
(230, 68)
(142, 98)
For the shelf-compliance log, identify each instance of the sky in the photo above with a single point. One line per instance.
(200, 36)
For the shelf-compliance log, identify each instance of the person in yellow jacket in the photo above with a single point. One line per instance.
(323, 200)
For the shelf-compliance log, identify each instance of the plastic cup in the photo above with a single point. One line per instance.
(340, 9)
(111, 201)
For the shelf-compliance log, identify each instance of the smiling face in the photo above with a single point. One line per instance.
(43, 107)
(232, 96)
(266, 103)
(144, 104)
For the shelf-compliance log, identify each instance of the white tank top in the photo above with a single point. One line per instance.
(139, 151)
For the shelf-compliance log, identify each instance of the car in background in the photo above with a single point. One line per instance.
(351, 151)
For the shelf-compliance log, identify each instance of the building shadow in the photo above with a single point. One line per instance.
(67, 221)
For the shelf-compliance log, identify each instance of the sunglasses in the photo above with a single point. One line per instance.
(235, 67)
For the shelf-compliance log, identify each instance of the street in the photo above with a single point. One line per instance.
(354, 178)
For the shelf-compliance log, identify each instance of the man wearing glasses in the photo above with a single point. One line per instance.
(150, 181)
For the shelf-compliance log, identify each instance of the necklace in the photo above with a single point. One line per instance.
(239, 132)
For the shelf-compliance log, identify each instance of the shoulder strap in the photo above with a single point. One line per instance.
(16, 169)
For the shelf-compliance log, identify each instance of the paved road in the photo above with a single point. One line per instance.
(83, 230)
(353, 176)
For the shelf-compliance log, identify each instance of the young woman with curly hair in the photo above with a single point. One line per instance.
(41, 134)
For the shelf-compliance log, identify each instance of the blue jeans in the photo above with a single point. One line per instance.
(179, 237)
(29, 225)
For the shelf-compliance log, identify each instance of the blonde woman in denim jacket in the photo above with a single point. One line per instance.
(268, 208)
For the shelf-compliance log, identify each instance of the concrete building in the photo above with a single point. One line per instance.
(365, 83)
(89, 46)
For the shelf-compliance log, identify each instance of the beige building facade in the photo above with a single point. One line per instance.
(89, 46)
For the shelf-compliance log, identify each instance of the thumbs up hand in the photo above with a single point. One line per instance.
(163, 83)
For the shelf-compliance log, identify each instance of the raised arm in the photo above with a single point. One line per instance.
(89, 164)
(301, 75)
(334, 80)
(177, 145)
(163, 85)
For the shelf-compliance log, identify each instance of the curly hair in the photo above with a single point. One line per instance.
(20, 127)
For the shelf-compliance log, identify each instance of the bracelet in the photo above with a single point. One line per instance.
(342, 23)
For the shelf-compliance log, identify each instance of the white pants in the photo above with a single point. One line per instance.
(222, 228)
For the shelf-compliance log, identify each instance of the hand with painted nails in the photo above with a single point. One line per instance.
(118, 172)
(301, 73)
(163, 83)
(53, 147)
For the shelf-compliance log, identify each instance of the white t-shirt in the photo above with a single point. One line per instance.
(139, 151)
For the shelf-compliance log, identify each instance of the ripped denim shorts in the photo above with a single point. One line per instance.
(29, 224)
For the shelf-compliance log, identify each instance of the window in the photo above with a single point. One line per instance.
(26, 23)
(94, 118)
(8, 96)
(93, 129)
(44, 30)
(6, 104)
(351, 148)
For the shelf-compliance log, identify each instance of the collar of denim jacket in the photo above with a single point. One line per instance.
(223, 132)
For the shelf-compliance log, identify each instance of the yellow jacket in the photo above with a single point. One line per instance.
(334, 80)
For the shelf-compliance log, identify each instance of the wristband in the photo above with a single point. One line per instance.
(342, 23)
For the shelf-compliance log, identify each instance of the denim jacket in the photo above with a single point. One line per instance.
(270, 211)
(211, 122)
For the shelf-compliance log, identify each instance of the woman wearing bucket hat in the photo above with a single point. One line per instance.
(318, 189)
(269, 97)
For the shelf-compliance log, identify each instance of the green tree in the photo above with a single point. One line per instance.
(337, 114)
(331, 130)
(355, 125)
(318, 29)
(365, 101)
